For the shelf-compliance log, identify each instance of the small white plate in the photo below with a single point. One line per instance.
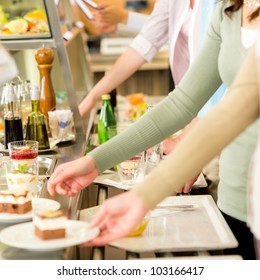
(39, 204)
(22, 236)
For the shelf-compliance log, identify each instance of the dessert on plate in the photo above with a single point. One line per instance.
(22, 176)
(50, 224)
(22, 170)
(15, 201)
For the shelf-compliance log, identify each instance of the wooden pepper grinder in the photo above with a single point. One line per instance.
(44, 58)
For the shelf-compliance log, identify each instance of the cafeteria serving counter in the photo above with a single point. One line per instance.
(65, 152)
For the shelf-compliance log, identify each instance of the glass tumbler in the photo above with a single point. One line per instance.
(132, 170)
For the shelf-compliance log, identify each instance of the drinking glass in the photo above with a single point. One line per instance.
(24, 150)
(22, 176)
(152, 157)
(131, 171)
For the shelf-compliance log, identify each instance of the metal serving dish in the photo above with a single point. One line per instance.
(46, 167)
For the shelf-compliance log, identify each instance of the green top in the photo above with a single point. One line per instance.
(217, 62)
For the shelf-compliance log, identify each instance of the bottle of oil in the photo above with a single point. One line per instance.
(25, 99)
(12, 117)
(36, 123)
(107, 120)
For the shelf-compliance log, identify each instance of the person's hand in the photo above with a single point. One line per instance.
(107, 17)
(189, 184)
(110, 14)
(71, 177)
(170, 143)
(117, 217)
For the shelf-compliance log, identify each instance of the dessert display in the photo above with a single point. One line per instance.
(15, 201)
(24, 155)
(136, 106)
(31, 22)
(21, 179)
(50, 224)
(22, 170)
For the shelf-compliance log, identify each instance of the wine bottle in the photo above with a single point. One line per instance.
(107, 121)
(36, 128)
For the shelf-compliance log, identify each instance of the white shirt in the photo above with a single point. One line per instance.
(164, 25)
(248, 36)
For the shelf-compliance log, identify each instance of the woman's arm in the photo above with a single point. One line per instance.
(170, 115)
(157, 31)
(127, 64)
(226, 121)
(121, 214)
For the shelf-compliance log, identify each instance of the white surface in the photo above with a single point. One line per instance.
(114, 46)
(111, 179)
(38, 204)
(22, 236)
(200, 229)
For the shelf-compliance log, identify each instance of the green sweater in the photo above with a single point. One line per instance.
(217, 62)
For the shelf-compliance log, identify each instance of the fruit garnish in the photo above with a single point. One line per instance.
(23, 167)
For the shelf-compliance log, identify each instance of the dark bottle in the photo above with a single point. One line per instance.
(107, 122)
(12, 117)
(36, 128)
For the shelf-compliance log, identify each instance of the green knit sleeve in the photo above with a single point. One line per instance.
(171, 114)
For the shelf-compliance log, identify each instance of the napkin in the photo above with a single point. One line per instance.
(60, 122)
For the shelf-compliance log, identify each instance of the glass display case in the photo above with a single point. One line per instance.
(27, 25)
(20, 19)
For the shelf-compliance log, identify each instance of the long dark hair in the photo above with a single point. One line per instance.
(237, 4)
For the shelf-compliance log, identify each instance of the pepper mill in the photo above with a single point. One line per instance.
(44, 58)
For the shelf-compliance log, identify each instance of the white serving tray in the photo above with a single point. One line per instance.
(201, 229)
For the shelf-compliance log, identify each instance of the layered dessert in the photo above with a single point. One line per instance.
(17, 180)
(50, 224)
(22, 171)
(15, 201)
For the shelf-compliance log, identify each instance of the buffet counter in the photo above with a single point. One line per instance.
(64, 152)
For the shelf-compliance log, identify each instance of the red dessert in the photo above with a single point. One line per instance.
(24, 153)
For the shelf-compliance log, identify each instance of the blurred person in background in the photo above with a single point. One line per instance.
(175, 22)
(181, 24)
(8, 69)
(108, 18)
(232, 31)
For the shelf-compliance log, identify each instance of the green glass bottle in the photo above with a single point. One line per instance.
(36, 128)
(107, 122)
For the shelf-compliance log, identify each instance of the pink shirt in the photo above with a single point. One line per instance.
(168, 23)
